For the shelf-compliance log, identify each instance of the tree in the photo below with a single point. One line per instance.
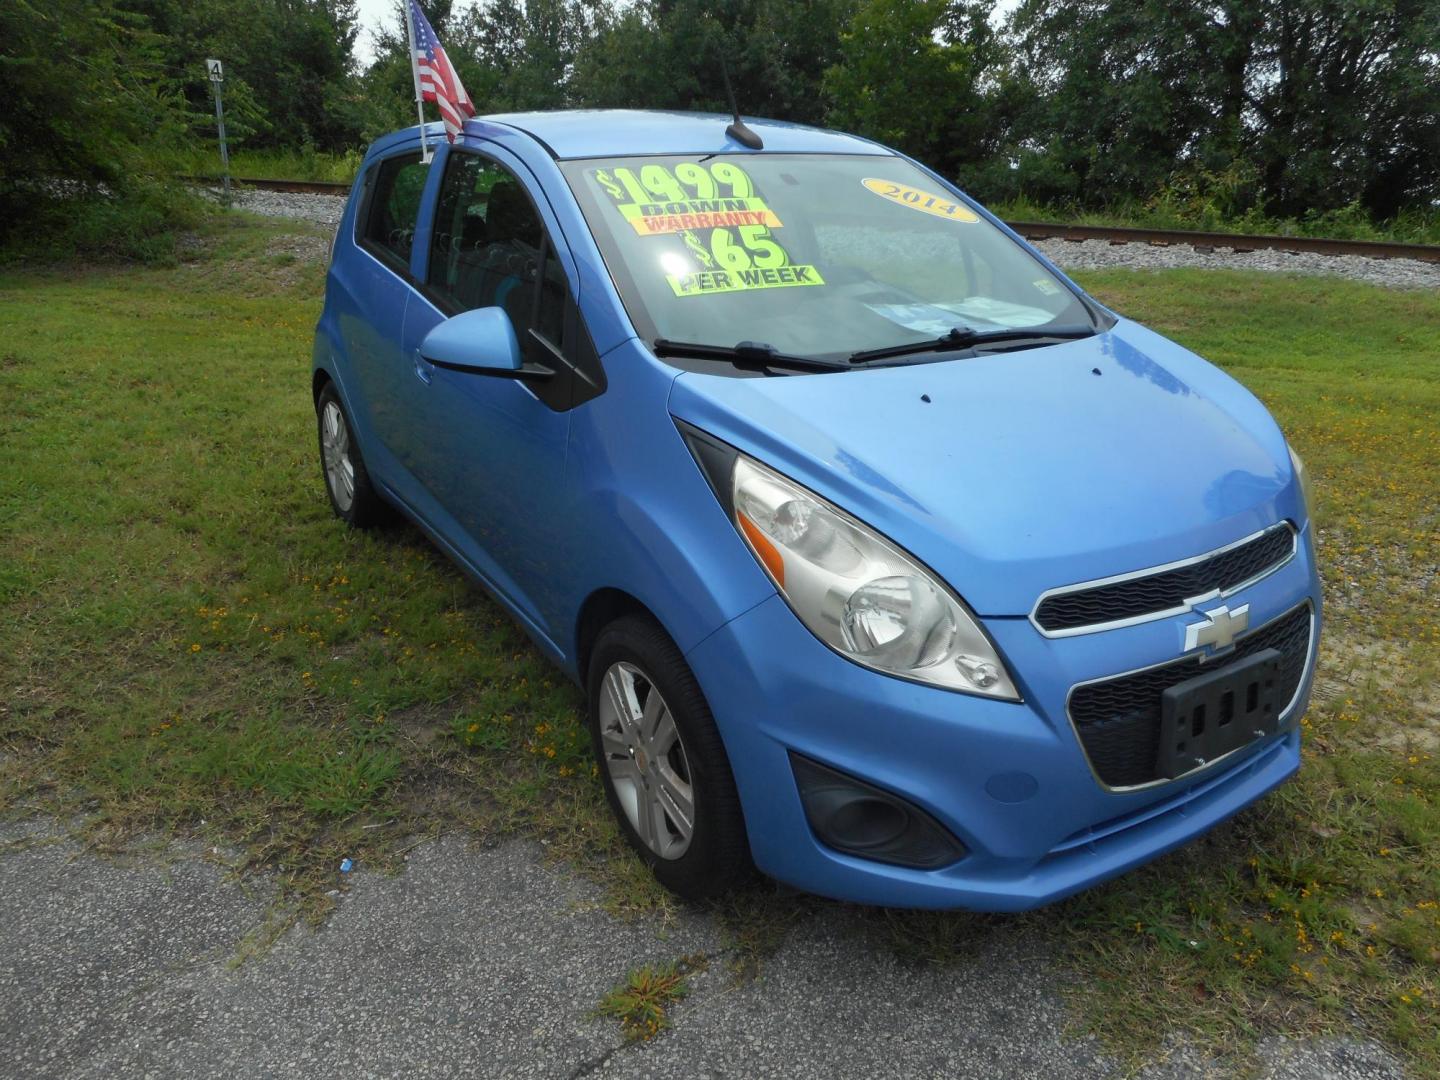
(667, 54)
(1321, 102)
(913, 74)
(1120, 93)
(1290, 106)
(531, 49)
(290, 79)
(81, 127)
(1345, 100)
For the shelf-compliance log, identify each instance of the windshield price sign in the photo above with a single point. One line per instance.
(717, 281)
(754, 262)
(658, 200)
(724, 224)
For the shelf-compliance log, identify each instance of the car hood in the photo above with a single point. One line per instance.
(1010, 474)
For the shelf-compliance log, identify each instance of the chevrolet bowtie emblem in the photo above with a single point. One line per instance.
(1219, 629)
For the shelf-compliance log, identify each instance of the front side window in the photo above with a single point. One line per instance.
(394, 204)
(490, 249)
(817, 255)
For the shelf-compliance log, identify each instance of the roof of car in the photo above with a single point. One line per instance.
(588, 133)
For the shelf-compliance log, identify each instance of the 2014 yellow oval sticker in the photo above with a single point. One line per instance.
(924, 201)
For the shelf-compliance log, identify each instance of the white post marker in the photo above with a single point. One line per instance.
(216, 71)
(425, 154)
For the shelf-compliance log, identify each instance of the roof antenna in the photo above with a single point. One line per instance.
(737, 129)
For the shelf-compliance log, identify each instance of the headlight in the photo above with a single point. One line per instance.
(1303, 475)
(851, 587)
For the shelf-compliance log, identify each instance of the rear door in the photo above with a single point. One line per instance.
(385, 235)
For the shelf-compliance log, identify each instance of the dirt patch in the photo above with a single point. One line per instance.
(313, 249)
(1364, 578)
(1351, 669)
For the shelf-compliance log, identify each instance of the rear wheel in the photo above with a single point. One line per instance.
(352, 496)
(664, 768)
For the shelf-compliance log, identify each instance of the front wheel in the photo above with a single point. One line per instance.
(665, 771)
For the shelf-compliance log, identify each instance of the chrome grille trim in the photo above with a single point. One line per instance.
(1189, 604)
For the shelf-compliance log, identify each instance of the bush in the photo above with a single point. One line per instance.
(139, 222)
(202, 158)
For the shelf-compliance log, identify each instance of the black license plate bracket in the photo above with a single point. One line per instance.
(1206, 717)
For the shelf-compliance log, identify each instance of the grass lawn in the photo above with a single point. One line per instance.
(191, 644)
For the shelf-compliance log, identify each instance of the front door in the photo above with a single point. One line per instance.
(491, 451)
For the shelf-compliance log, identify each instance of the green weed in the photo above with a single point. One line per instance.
(642, 1002)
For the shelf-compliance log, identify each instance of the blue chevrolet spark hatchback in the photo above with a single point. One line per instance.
(891, 562)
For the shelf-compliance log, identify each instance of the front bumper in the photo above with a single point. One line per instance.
(1009, 780)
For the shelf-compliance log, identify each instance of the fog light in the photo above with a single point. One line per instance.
(857, 818)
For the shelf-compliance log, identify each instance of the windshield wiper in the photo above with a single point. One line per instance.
(963, 337)
(746, 353)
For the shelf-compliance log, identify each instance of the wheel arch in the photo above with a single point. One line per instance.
(600, 609)
(318, 381)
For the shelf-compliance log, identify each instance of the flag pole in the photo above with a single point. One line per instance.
(415, 75)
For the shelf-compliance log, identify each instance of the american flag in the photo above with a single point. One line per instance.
(438, 81)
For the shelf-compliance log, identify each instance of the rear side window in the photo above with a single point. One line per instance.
(490, 249)
(394, 204)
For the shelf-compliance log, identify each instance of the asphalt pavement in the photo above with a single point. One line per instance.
(489, 962)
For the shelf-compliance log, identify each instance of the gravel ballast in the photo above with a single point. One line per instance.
(321, 209)
(1068, 254)
(1103, 255)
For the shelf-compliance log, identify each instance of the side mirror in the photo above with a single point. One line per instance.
(481, 342)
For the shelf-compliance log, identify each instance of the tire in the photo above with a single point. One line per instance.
(352, 496)
(646, 775)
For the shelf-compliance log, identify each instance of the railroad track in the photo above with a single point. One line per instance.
(298, 187)
(1239, 242)
(1043, 230)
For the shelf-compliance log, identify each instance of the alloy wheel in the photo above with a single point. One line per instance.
(335, 449)
(646, 760)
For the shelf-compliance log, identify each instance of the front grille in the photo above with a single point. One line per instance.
(1167, 589)
(1118, 720)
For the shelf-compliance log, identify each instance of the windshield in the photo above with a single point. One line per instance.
(812, 255)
